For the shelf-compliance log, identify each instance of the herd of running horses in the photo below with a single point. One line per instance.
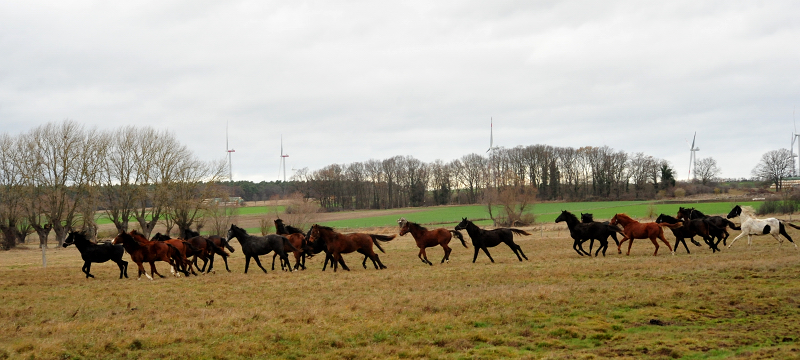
(688, 223)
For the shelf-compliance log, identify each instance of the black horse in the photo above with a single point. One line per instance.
(484, 239)
(580, 232)
(91, 252)
(253, 246)
(680, 231)
(222, 244)
(300, 240)
(588, 218)
(720, 224)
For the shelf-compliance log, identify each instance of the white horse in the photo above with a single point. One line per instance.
(753, 226)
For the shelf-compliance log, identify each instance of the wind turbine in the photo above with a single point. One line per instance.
(795, 135)
(283, 162)
(693, 159)
(229, 150)
(491, 136)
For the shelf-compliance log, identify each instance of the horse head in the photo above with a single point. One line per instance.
(614, 220)
(463, 224)
(405, 226)
(736, 211)
(280, 228)
(587, 217)
(121, 238)
(235, 232)
(683, 213)
(73, 235)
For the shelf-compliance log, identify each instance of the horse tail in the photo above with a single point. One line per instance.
(457, 234)
(672, 226)
(519, 232)
(175, 254)
(191, 247)
(215, 249)
(288, 244)
(787, 223)
(732, 225)
(383, 238)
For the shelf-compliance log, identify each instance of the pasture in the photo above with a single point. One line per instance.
(742, 302)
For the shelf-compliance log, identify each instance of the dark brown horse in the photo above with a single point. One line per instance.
(338, 244)
(221, 243)
(633, 229)
(296, 238)
(142, 250)
(429, 238)
(717, 225)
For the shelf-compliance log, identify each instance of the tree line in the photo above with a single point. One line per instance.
(553, 173)
(55, 177)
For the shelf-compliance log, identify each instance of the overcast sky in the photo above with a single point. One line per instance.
(353, 81)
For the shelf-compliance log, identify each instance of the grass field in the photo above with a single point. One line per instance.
(740, 303)
(449, 216)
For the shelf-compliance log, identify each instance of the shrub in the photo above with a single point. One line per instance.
(680, 192)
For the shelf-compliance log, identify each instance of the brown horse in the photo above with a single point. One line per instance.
(633, 229)
(296, 238)
(429, 238)
(142, 250)
(186, 249)
(323, 237)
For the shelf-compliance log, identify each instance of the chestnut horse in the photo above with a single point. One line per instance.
(186, 249)
(429, 238)
(142, 250)
(633, 229)
(338, 244)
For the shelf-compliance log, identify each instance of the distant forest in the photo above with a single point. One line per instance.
(553, 173)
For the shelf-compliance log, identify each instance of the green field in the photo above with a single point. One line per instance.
(545, 212)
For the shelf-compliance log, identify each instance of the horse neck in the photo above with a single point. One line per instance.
(694, 214)
(571, 221)
(625, 221)
(746, 216)
(416, 230)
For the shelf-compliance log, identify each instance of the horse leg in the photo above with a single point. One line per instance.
(580, 246)
(153, 270)
(328, 259)
(425, 256)
(123, 267)
(258, 262)
(87, 266)
(575, 245)
(273, 261)
(786, 235)
(476, 254)
(724, 239)
(614, 236)
(591, 244)
(447, 251)
(246, 263)
(486, 251)
(514, 249)
(678, 241)
(655, 243)
(630, 243)
(375, 258)
(519, 248)
(619, 245)
(736, 238)
(364, 263)
(664, 240)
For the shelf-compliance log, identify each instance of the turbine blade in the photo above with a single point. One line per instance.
(693, 138)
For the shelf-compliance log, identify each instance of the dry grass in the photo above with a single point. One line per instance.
(743, 302)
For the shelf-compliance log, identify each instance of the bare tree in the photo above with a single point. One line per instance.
(774, 166)
(11, 191)
(190, 183)
(707, 170)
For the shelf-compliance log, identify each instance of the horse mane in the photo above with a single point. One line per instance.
(588, 217)
(326, 228)
(697, 213)
(668, 219)
(624, 217)
(418, 226)
(748, 210)
(571, 215)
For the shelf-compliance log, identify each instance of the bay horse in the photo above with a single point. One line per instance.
(296, 237)
(186, 249)
(142, 250)
(633, 229)
(754, 226)
(220, 244)
(97, 253)
(338, 244)
(680, 231)
(719, 224)
(580, 232)
(484, 239)
(429, 238)
(254, 246)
